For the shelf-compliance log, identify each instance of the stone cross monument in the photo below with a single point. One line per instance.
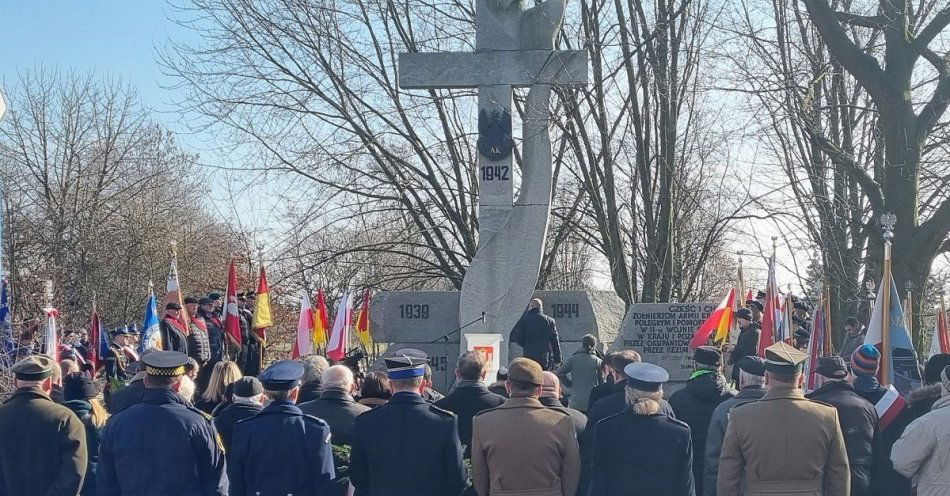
(514, 47)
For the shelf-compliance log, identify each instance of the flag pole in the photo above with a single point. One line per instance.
(887, 221)
(828, 328)
(909, 310)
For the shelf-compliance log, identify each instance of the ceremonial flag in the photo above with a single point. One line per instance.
(718, 322)
(898, 359)
(262, 318)
(95, 332)
(321, 326)
(940, 343)
(232, 319)
(304, 342)
(150, 338)
(362, 323)
(773, 329)
(173, 293)
(51, 334)
(889, 406)
(339, 336)
(7, 345)
(818, 346)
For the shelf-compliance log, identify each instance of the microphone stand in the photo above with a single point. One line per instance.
(445, 337)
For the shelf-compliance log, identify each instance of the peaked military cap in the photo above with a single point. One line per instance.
(405, 367)
(165, 363)
(34, 368)
(783, 358)
(802, 333)
(645, 376)
(120, 331)
(214, 296)
(760, 295)
(172, 306)
(205, 301)
(250, 294)
(757, 305)
(283, 375)
(189, 300)
(800, 305)
(240, 295)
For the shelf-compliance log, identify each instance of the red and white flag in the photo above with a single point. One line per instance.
(340, 335)
(232, 319)
(889, 406)
(173, 293)
(51, 334)
(773, 329)
(304, 343)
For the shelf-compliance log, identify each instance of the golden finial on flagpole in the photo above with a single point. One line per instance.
(888, 221)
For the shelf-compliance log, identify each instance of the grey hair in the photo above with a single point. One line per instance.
(313, 367)
(751, 379)
(337, 377)
(407, 384)
(279, 395)
(643, 402)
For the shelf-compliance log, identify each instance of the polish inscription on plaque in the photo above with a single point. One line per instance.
(660, 332)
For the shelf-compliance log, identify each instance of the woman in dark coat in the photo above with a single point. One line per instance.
(641, 451)
(79, 392)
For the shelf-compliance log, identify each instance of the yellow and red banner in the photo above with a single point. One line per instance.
(262, 315)
(718, 322)
(362, 323)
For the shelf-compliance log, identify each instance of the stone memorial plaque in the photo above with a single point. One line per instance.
(660, 332)
(420, 319)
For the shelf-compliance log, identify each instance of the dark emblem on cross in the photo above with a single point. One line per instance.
(494, 134)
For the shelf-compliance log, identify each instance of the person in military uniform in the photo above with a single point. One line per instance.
(42, 444)
(119, 356)
(523, 446)
(184, 454)
(407, 447)
(783, 443)
(199, 347)
(281, 450)
(640, 450)
(173, 333)
(252, 342)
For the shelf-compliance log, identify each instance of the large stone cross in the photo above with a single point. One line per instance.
(502, 60)
(514, 47)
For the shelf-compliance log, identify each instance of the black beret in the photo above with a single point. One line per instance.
(205, 301)
(934, 367)
(214, 296)
(832, 367)
(708, 355)
(744, 313)
(752, 365)
(189, 300)
(172, 306)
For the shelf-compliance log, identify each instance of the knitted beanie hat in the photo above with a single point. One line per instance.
(865, 360)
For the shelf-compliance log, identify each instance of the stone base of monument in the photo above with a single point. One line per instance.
(660, 333)
(429, 321)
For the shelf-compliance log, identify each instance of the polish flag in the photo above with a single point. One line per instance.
(339, 336)
(232, 319)
(718, 322)
(773, 329)
(889, 406)
(940, 343)
(304, 343)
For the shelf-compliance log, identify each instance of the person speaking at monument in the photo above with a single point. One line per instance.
(536, 333)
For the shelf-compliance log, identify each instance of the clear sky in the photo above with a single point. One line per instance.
(113, 37)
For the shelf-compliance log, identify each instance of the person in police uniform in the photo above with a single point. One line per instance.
(783, 443)
(162, 445)
(281, 450)
(641, 450)
(407, 447)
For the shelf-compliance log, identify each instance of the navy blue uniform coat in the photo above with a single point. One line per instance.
(642, 455)
(159, 447)
(281, 451)
(407, 447)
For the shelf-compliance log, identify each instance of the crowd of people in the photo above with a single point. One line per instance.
(171, 421)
